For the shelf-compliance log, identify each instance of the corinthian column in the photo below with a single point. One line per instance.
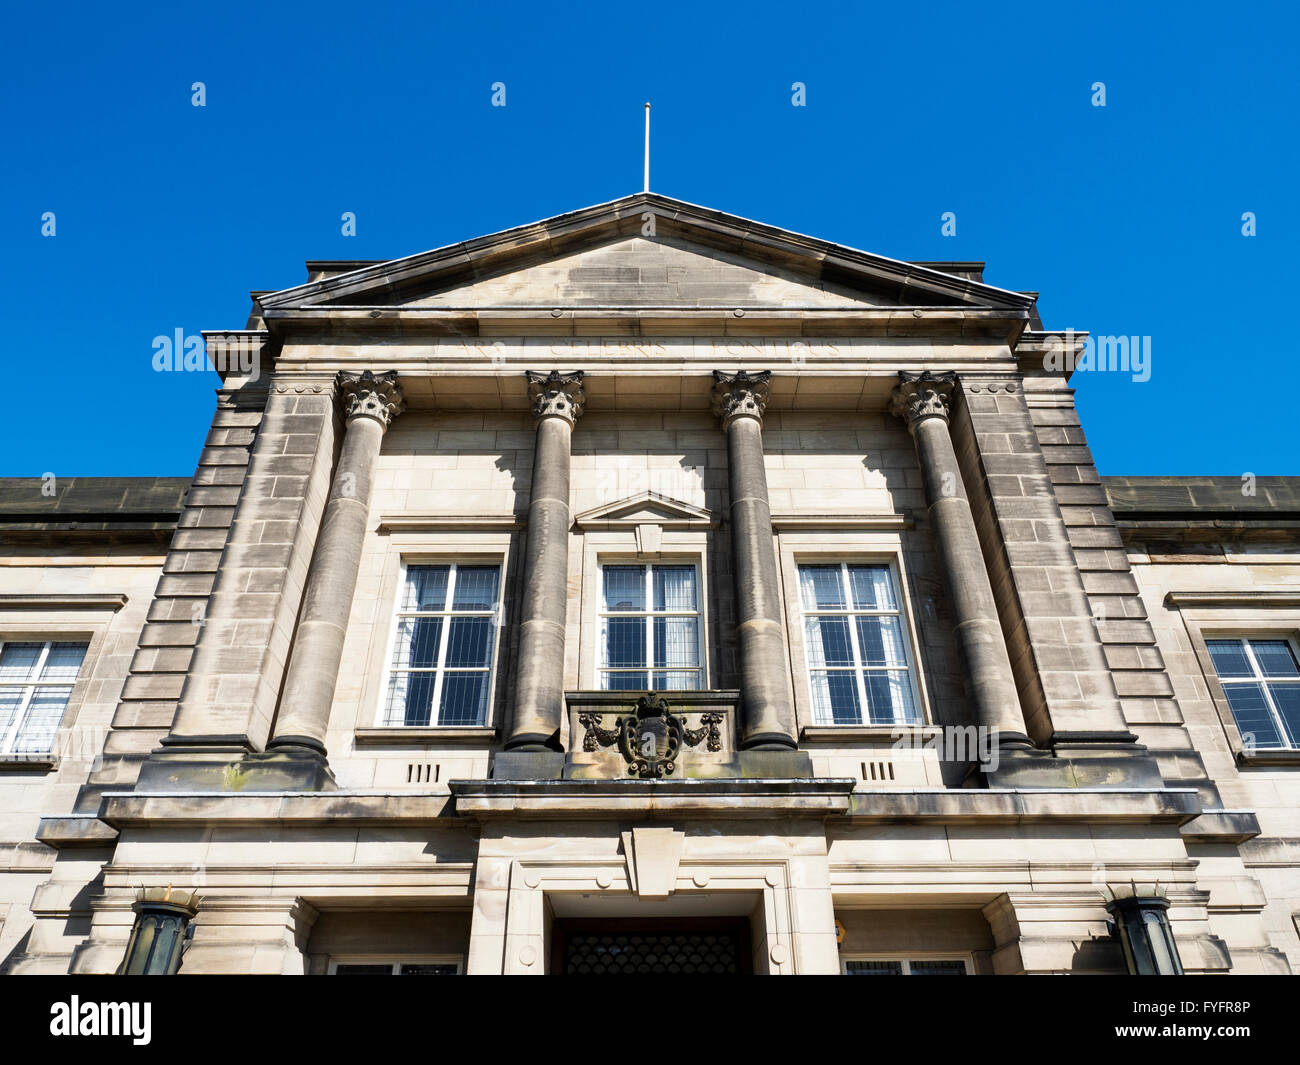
(767, 715)
(922, 401)
(370, 402)
(539, 687)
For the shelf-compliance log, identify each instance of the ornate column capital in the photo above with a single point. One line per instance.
(740, 394)
(556, 394)
(370, 395)
(922, 395)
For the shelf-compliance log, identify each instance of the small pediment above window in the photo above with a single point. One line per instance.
(648, 508)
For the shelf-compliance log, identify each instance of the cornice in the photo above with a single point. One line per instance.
(398, 523)
(788, 522)
(386, 322)
(1243, 598)
(434, 736)
(729, 798)
(63, 601)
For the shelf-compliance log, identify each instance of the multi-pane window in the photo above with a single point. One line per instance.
(858, 666)
(446, 635)
(1261, 679)
(905, 967)
(650, 628)
(36, 680)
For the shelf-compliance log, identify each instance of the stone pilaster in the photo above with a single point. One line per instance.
(166, 669)
(922, 401)
(767, 710)
(557, 400)
(1111, 623)
(370, 402)
(267, 517)
(1066, 690)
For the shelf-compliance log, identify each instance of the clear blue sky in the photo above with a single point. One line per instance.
(1126, 218)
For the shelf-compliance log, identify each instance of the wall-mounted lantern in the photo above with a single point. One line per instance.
(158, 937)
(1141, 924)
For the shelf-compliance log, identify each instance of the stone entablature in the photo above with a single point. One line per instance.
(774, 346)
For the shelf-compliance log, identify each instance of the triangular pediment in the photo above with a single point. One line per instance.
(643, 271)
(647, 508)
(642, 251)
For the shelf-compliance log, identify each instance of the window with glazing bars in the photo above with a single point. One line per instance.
(1261, 679)
(441, 670)
(36, 679)
(858, 664)
(650, 628)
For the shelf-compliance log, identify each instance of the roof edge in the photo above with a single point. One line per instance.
(387, 274)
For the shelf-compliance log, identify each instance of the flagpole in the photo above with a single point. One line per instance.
(647, 148)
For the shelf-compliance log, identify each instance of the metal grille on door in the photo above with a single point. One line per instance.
(644, 952)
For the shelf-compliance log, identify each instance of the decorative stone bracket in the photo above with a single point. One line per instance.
(653, 855)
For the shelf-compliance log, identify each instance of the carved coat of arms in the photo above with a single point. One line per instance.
(651, 737)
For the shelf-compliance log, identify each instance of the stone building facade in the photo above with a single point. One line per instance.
(648, 586)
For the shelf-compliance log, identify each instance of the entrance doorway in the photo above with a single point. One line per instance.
(713, 946)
